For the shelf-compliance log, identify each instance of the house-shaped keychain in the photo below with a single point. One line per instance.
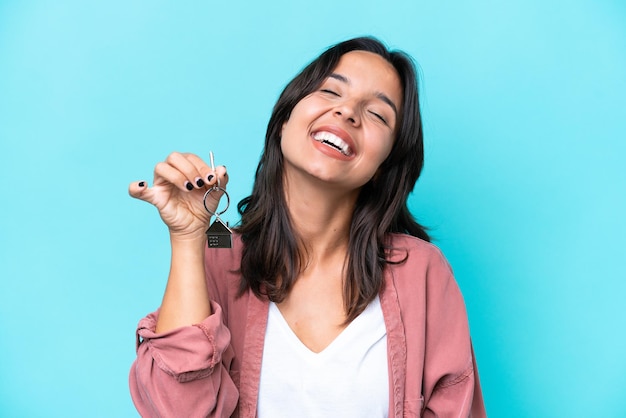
(219, 235)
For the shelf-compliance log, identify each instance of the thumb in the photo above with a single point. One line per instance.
(139, 190)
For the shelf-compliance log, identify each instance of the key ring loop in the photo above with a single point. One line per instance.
(208, 192)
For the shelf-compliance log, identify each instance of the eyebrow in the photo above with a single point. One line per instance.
(379, 95)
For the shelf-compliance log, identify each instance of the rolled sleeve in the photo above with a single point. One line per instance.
(184, 372)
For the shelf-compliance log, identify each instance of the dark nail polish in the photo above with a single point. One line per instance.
(200, 182)
(189, 186)
(141, 184)
(210, 177)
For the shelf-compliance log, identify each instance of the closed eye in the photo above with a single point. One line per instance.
(380, 117)
(334, 93)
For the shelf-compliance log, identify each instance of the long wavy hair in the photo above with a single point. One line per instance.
(272, 258)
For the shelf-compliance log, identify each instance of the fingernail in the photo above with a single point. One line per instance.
(141, 184)
(189, 186)
(210, 177)
(199, 182)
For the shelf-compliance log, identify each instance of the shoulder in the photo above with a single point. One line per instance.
(424, 281)
(416, 266)
(415, 252)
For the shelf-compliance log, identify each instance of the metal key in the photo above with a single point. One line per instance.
(219, 235)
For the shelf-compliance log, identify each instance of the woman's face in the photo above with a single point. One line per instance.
(343, 131)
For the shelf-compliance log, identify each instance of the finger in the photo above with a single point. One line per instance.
(211, 176)
(203, 168)
(219, 179)
(221, 176)
(139, 190)
(182, 163)
(165, 173)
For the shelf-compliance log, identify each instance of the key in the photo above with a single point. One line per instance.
(219, 235)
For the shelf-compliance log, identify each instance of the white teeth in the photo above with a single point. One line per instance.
(333, 140)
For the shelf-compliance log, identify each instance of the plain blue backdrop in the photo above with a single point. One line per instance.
(524, 186)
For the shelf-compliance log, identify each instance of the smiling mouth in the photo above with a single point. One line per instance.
(333, 141)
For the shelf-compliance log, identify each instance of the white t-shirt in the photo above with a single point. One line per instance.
(349, 378)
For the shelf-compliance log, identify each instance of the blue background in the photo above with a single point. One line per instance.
(524, 107)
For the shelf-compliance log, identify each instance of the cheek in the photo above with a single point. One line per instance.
(288, 137)
(287, 131)
(385, 148)
(382, 156)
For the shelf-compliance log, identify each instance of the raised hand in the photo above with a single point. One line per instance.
(177, 192)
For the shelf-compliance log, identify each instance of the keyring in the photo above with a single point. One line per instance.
(208, 192)
(219, 235)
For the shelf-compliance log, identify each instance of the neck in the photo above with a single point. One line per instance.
(321, 215)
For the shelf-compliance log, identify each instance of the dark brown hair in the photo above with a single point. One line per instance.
(271, 259)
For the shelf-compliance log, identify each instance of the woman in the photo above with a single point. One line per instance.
(331, 301)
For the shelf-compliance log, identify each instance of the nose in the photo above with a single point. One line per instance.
(348, 111)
